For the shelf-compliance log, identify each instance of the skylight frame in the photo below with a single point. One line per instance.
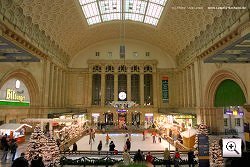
(144, 11)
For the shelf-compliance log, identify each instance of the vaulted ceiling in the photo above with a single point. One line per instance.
(64, 22)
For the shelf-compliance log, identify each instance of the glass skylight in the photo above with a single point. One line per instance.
(145, 11)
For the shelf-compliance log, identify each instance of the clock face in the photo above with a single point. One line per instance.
(122, 95)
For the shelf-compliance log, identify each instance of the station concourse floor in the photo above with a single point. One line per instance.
(119, 140)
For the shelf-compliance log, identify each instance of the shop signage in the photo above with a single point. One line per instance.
(13, 95)
(165, 89)
(203, 145)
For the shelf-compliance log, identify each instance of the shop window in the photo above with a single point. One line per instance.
(225, 122)
(237, 121)
(108, 118)
(136, 118)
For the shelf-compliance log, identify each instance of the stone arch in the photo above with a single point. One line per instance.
(215, 81)
(29, 81)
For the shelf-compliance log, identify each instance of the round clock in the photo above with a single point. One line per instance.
(122, 95)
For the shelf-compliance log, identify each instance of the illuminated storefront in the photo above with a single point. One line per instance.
(14, 93)
(233, 119)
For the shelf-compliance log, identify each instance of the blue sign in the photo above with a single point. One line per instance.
(203, 145)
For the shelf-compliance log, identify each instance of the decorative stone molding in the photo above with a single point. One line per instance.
(15, 21)
(220, 25)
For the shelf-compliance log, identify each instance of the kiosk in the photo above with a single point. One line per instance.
(16, 131)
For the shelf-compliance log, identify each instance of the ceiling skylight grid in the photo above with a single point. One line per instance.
(146, 11)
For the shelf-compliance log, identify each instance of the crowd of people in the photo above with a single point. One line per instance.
(8, 145)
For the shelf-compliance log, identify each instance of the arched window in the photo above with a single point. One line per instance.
(229, 93)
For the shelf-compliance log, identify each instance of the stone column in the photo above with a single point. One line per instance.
(155, 90)
(51, 86)
(55, 85)
(63, 89)
(188, 94)
(59, 88)
(66, 91)
(193, 86)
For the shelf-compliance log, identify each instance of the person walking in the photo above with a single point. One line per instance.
(167, 158)
(149, 158)
(20, 162)
(90, 136)
(99, 147)
(143, 135)
(13, 148)
(154, 135)
(191, 158)
(111, 147)
(6, 148)
(126, 157)
(138, 157)
(74, 147)
(177, 158)
(128, 144)
(107, 139)
(37, 161)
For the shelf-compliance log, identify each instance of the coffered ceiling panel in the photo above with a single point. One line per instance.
(64, 22)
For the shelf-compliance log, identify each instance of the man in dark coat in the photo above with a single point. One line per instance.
(20, 162)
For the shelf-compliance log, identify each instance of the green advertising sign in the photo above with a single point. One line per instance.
(164, 91)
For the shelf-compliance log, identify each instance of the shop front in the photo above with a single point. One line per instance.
(136, 117)
(14, 93)
(108, 118)
(122, 118)
(95, 118)
(149, 120)
(16, 131)
(233, 119)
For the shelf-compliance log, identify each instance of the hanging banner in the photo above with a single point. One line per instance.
(165, 89)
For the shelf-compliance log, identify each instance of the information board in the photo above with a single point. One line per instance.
(203, 145)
